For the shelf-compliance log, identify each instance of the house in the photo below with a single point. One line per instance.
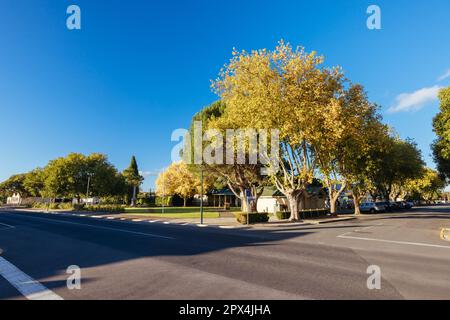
(272, 200)
(223, 197)
(16, 199)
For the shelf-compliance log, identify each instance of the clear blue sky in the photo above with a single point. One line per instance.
(140, 69)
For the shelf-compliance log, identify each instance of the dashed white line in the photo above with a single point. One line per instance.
(7, 225)
(26, 285)
(344, 236)
(105, 228)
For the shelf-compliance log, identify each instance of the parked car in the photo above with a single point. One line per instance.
(401, 205)
(373, 207)
(389, 206)
(409, 204)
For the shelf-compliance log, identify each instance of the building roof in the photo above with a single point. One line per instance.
(222, 192)
(271, 192)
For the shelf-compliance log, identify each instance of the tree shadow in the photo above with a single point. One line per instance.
(44, 249)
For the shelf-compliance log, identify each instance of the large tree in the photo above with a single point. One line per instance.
(177, 179)
(441, 125)
(400, 161)
(428, 186)
(285, 89)
(340, 142)
(133, 179)
(365, 161)
(243, 179)
(14, 184)
(34, 182)
(69, 176)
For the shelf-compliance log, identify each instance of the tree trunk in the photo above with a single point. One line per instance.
(334, 195)
(357, 203)
(184, 201)
(293, 198)
(133, 199)
(333, 209)
(357, 210)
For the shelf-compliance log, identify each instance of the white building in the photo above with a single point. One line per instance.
(272, 200)
(16, 199)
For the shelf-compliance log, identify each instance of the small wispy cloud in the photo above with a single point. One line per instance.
(151, 173)
(416, 100)
(446, 75)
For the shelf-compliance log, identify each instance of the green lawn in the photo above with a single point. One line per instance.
(175, 212)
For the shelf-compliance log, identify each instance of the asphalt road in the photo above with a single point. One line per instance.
(124, 260)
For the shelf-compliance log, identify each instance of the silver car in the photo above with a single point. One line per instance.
(372, 207)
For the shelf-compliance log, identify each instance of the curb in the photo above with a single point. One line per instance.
(333, 220)
(304, 222)
(445, 234)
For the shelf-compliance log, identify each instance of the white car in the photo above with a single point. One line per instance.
(372, 207)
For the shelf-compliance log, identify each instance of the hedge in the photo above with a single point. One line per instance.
(111, 208)
(283, 215)
(53, 206)
(310, 213)
(241, 217)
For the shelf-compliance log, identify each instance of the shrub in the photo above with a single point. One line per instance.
(79, 206)
(52, 206)
(104, 208)
(313, 213)
(65, 206)
(283, 215)
(166, 201)
(241, 217)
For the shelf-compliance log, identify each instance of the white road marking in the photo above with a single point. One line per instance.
(137, 220)
(105, 228)
(202, 225)
(166, 222)
(365, 228)
(344, 236)
(153, 221)
(226, 227)
(26, 285)
(7, 225)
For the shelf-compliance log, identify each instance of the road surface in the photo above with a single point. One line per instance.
(144, 260)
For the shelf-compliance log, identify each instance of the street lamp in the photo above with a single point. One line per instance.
(88, 185)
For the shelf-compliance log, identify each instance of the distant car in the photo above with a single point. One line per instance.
(373, 207)
(389, 206)
(401, 205)
(409, 204)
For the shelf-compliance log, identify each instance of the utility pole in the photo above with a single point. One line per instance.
(88, 184)
(201, 196)
(164, 191)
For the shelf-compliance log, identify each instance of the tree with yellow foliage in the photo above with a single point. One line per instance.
(284, 89)
(177, 179)
(428, 186)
